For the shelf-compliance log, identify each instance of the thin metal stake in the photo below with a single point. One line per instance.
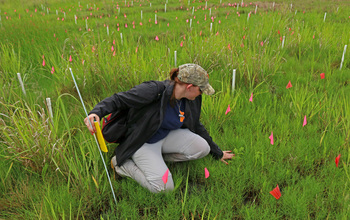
(82, 102)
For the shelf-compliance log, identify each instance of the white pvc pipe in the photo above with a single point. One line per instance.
(233, 80)
(342, 59)
(21, 83)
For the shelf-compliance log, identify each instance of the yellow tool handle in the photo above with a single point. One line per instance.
(100, 138)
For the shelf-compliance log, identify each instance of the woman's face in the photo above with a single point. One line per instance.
(192, 92)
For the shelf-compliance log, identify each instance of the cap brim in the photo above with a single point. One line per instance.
(208, 89)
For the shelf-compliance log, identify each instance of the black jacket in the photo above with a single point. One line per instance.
(147, 103)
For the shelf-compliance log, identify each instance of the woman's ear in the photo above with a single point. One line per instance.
(189, 86)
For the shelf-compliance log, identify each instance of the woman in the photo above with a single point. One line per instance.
(163, 125)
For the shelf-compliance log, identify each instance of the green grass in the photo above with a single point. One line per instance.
(50, 168)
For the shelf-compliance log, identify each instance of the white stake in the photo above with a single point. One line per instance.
(296, 12)
(325, 15)
(118, 11)
(141, 14)
(209, 11)
(107, 30)
(192, 10)
(233, 80)
(155, 18)
(190, 22)
(273, 5)
(75, 19)
(175, 58)
(248, 16)
(291, 6)
(132, 3)
(21, 83)
(211, 26)
(56, 12)
(64, 15)
(256, 8)
(47, 10)
(150, 4)
(342, 59)
(48, 103)
(206, 4)
(86, 24)
(165, 8)
(82, 102)
(121, 38)
(237, 7)
(284, 37)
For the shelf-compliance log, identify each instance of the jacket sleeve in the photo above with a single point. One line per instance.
(194, 124)
(137, 97)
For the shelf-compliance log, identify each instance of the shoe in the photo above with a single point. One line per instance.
(114, 168)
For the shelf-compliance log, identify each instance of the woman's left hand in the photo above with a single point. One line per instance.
(226, 156)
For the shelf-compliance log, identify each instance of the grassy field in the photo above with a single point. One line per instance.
(50, 167)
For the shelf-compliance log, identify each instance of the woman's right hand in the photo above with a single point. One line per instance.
(91, 118)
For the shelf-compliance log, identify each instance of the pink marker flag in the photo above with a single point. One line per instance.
(251, 98)
(337, 160)
(322, 75)
(271, 138)
(70, 58)
(305, 122)
(289, 85)
(52, 70)
(43, 62)
(165, 176)
(206, 172)
(228, 109)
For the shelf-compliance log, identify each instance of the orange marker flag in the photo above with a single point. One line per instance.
(337, 160)
(165, 176)
(289, 85)
(228, 109)
(206, 172)
(276, 192)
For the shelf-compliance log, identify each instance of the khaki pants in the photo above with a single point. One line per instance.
(147, 165)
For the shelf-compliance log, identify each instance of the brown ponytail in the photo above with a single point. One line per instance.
(173, 73)
(173, 77)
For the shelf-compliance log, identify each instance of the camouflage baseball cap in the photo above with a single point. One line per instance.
(196, 75)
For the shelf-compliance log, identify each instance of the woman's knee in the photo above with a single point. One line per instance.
(200, 148)
(158, 186)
